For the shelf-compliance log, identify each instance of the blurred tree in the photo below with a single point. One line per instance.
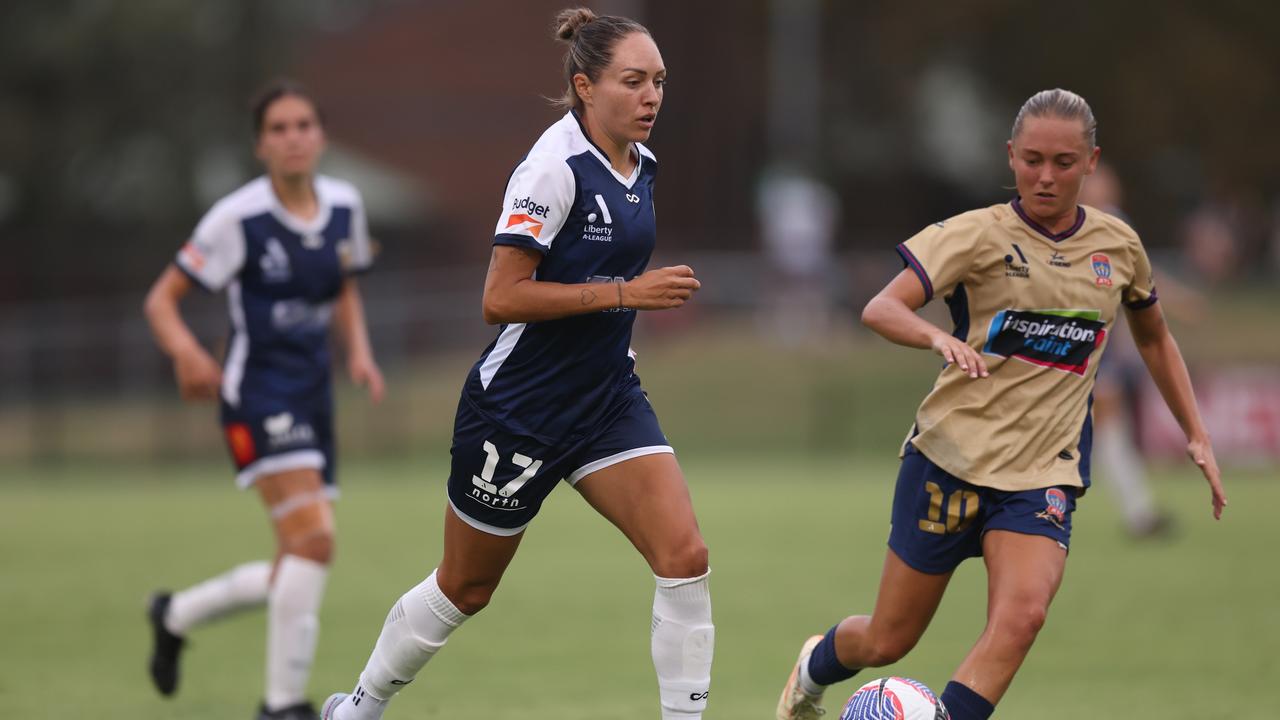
(119, 122)
(1186, 92)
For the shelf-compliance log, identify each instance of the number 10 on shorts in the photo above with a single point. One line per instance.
(485, 480)
(962, 507)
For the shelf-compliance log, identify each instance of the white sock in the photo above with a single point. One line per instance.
(293, 609)
(683, 642)
(416, 628)
(1124, 468)
(807, 682)
(240, 588)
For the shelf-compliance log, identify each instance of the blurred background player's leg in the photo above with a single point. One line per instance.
(303, 517)
(243, 587)
(1126, 475)
(1116, 452)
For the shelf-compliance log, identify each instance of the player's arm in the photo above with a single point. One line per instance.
(892, 314)
(512, 295)
(353, 331)
(1164, 361)
(198, 374)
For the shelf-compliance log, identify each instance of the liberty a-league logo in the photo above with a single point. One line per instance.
(1017, 267)
(485, 492)
(275, 262)
(591, 232)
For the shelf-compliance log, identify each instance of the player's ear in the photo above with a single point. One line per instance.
(1093, 161)
(1009, 147)
(582, 86)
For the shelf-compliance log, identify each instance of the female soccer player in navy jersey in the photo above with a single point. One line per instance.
(555, 396)
(999, 451)
(285, 247)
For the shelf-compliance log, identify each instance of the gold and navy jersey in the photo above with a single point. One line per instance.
(1038, 306)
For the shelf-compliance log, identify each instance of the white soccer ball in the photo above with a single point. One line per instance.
(894, 698)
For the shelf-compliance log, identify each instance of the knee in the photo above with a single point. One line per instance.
(470, 597)
(1021, 623)
(685, 560)
(316, 545)
(889, 648)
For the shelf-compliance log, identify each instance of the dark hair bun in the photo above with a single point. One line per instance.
(570, 20)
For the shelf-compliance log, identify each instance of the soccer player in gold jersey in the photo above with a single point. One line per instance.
(1000, 448)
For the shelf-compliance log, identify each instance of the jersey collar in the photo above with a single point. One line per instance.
(295, 223)
(604, 159)
(1056, 237)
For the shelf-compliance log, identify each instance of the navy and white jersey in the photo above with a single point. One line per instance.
(551, 380)
(281, 275)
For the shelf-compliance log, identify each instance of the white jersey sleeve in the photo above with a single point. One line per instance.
(215, 252)
(361, 258)
(538, 201)
(356, 251)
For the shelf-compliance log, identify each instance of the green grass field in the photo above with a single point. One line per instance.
(1184, 629)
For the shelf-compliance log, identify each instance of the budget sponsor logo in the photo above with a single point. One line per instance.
(520, 223)
(1059, 339)
(531, 207)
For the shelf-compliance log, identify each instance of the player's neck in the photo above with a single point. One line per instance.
(618, 152)
(1055, 224)
(297, 195)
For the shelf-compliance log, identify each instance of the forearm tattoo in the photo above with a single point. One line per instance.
(588, 297)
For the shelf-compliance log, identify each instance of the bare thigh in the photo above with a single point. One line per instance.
(1024, 573)
(648, 500)
(473, 564)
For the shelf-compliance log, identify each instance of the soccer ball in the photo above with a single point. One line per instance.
(894, 698)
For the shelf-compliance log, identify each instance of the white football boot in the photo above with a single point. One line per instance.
(795, 703)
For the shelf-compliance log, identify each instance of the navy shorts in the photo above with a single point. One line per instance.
(497, 480)
(268, 437)
(939, 519)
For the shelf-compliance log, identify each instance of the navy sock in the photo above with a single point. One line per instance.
(965, 704)
(824, 666)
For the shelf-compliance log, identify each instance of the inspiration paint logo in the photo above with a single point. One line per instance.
(1062, 339)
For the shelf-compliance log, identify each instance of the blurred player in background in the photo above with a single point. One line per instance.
(1118, 386)
(286, 248)
(555, 396)
(999, 451)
